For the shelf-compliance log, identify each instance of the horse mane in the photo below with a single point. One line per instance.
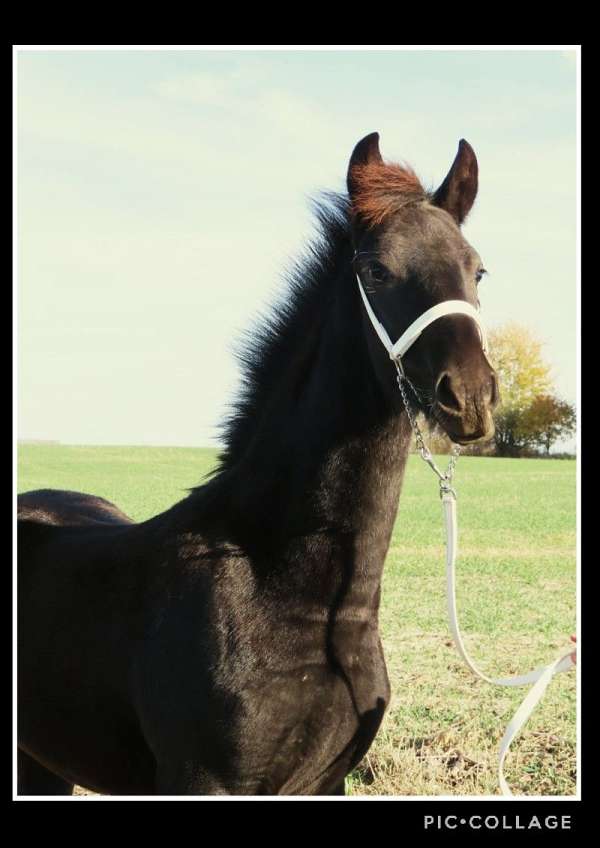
(266, 349)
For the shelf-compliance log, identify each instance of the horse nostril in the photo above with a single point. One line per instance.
(447, 394)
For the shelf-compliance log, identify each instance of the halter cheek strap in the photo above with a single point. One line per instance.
(447, 307)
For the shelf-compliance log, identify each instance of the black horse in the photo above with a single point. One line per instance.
(230, 645)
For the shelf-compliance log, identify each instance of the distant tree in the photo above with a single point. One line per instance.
(517, 356)
(509, 437)
(548, 419)
(523, 375)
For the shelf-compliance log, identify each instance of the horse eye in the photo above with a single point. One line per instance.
(378, 272)
(479, 275)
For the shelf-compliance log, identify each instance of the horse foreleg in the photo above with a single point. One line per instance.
(35, 779)
(340, 789)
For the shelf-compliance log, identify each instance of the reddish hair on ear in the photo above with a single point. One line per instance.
(381, 188)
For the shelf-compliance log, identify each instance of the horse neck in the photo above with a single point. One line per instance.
(320, 480)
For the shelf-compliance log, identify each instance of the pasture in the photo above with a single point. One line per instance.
(516, 594)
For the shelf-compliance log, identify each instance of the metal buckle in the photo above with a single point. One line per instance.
(446, 489)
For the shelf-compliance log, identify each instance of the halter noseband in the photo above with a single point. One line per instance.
(411, 334)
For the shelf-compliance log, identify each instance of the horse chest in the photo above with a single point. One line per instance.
(302, 729)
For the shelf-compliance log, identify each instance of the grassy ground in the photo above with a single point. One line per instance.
(516, 595)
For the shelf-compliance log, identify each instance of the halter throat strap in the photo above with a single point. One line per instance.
(447, 307)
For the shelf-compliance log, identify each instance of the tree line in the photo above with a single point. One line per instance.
(530, 417)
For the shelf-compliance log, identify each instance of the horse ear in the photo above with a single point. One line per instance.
(458, 191)
(365, 152)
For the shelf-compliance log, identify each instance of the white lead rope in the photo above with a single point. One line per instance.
(540, 677)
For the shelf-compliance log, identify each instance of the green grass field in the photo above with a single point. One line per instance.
(516, 591)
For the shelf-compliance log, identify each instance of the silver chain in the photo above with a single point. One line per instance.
(445, 478)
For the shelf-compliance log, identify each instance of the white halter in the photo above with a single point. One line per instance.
(409, 336)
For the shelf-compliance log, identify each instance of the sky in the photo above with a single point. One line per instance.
(161, 195)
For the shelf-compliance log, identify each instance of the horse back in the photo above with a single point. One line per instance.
(41, 512)
(67, 509)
